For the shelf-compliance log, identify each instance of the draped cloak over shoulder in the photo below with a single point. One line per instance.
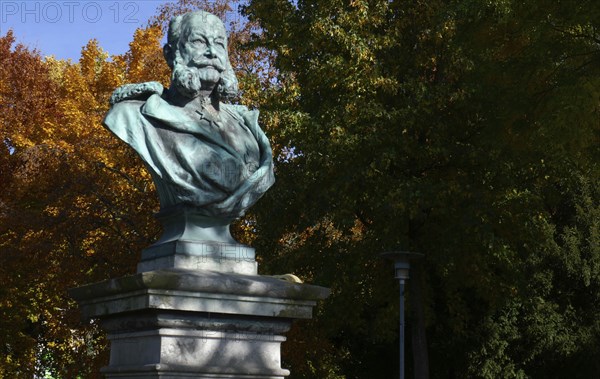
(220, 167)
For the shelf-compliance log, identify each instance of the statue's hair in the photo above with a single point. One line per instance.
(228, 85)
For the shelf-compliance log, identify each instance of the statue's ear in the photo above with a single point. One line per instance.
(169, 54)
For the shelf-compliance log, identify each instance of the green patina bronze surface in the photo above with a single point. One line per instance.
(205, 156)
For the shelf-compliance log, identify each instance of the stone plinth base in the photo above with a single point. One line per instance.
(196, 324)
(195, 242)
(193, 255)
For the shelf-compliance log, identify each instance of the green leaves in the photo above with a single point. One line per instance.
(455, 129)
(464, 130)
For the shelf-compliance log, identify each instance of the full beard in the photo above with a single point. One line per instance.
(190, 81)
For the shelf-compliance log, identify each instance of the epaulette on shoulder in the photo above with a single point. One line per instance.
(139, 91)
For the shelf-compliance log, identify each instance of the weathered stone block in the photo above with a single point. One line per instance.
(196, 324)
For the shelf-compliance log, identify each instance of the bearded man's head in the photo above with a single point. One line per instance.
(196, 51)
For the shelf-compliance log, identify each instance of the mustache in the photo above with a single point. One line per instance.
(203, 62)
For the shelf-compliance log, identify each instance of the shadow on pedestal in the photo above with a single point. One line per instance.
(178, 323)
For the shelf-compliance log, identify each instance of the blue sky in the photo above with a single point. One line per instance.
(62, 27)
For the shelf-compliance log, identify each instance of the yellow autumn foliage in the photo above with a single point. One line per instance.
(75, 207)
(76, 204)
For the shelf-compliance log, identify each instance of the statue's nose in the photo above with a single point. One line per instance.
(210, 51)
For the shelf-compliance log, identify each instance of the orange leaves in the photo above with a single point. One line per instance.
(144, 60)
(75, 206)
(26, 94)
(91, 60)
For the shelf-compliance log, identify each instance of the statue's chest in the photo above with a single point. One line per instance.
(233, 133)
(227, 136)
(239, 138)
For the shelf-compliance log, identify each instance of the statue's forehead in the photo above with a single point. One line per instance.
(204, 24)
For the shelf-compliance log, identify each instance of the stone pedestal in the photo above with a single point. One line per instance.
(181, 323)
(196, 242)
(196, 307)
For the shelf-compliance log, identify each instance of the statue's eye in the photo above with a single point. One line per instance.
(220, 43)
(198, 41)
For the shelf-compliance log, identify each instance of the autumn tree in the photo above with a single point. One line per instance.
(72, 205)
(77, 204)
(76, 207)
(465, 131)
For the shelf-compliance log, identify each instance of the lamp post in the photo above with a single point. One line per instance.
(401, 261)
